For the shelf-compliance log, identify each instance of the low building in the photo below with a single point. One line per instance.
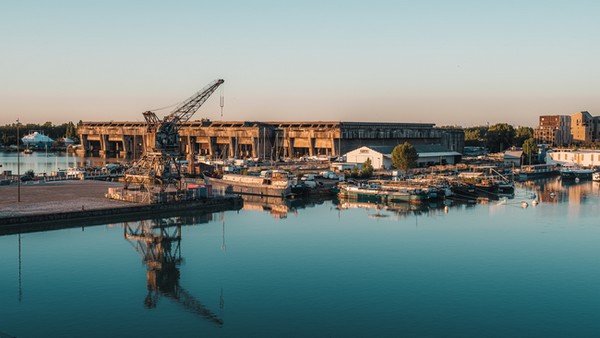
(381, 156)
(514, 157)
(582, 157)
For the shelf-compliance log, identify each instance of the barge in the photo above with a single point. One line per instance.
(274, 183)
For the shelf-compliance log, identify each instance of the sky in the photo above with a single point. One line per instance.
(445, 62)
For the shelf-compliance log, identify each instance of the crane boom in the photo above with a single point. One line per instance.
(167, 137)
(185, 110)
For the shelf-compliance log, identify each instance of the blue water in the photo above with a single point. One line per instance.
(46, 162)
(492, 270)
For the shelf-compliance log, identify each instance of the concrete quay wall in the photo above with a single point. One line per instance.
(62, 220)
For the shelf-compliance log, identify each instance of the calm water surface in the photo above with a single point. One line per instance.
(42, 162)
(324, 269)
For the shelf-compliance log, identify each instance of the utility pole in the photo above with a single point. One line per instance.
(18, 166)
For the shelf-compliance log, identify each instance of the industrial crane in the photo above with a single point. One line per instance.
(160, 167)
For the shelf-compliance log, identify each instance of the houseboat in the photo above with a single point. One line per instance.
(574, 172)
(274, 183)
(383, 194)
(529, 172)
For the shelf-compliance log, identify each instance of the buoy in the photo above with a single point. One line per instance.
(534, 203)
(446, 209)
(576, 179)
(552, 195)
(524, 204)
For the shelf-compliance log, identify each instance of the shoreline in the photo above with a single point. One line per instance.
(72, 219)
(65, 204)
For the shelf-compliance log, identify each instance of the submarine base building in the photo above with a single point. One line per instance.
(263, 140)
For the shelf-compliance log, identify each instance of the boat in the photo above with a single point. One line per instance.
(274, 183)
(27, 151)
(528, 172)
(573, 172)
(596, 176)
(484, 182)
(384, 194)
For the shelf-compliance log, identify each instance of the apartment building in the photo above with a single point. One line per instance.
(554, 130)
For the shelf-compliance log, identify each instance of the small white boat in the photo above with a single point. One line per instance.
(596, 176)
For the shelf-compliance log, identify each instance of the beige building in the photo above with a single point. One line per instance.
(582, 127)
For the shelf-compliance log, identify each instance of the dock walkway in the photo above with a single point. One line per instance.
(71, 202)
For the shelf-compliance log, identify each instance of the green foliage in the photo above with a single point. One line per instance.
(29, 173)
(522, 134)
(530, 148)
(500, 136)
(475, 136)
(354, 173)
(404, 156)
(8, 133)
(367, 169)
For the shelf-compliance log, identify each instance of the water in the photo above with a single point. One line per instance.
(322, 269)
(42, 162)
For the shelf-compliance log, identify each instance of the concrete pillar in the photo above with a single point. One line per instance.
(103, 146)
(255, 145)
(126, 149)
(210, 147)
(191, 152)
(232, 146)
(291, 147)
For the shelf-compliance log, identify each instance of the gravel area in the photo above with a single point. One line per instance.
(53, 197)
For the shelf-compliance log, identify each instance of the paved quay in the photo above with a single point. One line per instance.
(57, 197)
(67, 204)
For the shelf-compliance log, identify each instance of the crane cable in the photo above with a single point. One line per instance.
(173, 105)
(222, 100)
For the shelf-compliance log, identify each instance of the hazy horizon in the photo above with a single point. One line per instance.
(461, 63)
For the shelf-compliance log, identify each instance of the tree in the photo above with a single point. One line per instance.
(367, 169)
(500, 136)
(404, 156)
(522, 134)
(529, 148)
(475, 136)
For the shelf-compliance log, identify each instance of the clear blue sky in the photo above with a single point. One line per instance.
(444, 62)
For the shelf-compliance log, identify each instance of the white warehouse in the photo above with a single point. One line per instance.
(381, 156)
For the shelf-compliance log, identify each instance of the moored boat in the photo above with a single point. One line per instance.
(378, 193)
(571, 173)
(269, 183)
(596, 176)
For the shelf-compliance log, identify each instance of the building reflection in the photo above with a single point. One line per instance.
(158, 241)
(555, 190)
(397, 209)
(278, 207)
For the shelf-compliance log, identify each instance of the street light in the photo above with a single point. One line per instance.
(18, 165)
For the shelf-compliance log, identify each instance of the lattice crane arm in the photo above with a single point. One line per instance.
(185, 110)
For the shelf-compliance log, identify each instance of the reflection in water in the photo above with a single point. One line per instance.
(397, 209)
(158, 242)
(278, 207)
(555, 190)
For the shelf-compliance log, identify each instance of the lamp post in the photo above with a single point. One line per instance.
(18, 166)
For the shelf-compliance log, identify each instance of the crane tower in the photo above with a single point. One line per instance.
(159, 168)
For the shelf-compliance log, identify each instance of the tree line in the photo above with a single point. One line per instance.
(497, 137)
(8, 132)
